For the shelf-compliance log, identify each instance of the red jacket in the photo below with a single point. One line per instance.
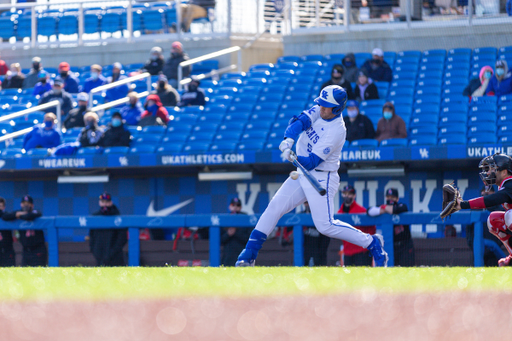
(351, 249)
(161, 112)
(3, 68)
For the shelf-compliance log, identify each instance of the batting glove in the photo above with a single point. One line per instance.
(286, 144)
(285, 156)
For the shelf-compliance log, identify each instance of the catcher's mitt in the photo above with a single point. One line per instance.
(450, 196)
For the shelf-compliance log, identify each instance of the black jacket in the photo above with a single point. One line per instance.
(90, 137)
(361, 128)
(192, 98)
(170, 69)
(371, 92)
(168, 96)
(474, 84)
(115, 137)
(75, 118)
(6, 238)
(345, 85)
(233, 245)
(15, 82)
(154, 67)
(107, 244)
(30, 239)
(64, 98)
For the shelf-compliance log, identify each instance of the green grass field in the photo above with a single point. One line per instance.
(135, 283)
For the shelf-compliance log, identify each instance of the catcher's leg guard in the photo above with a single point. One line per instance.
(498, 224)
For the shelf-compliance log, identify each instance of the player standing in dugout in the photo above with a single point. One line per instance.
(322, 135)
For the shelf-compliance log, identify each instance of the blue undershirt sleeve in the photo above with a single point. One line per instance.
(297, 125)
(309, 162)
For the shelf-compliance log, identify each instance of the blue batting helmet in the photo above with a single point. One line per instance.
(333, 96)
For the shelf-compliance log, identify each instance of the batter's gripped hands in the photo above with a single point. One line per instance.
(286, 155)
(287, 143)
(505, 261)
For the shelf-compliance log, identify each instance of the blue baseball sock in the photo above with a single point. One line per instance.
(254, 245)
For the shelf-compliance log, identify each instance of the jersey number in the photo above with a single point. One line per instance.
(310, 148)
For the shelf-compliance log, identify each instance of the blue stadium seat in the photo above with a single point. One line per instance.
(220, 100)
(429, 128)
(203, 136)
(230, 83)
(454, 99)
(362, 57)
(507, 139)
(483, 108)
(427, 140)
(383, 88)
(431, 68)
(258, 125)
(237, 117)
(335, 57)
(209, 119)
(137, 26)
(430, 53)
(423, 100)
(299, 88)
(405, 68)
(111, 22)
(287, 59)
(285, 68)
(154, 130)
(262, 67)
(422, 120)
(504, 118)
(460, 51)
(38, 152)
(433, 74)
(405, 83)
(257, 135)
(254, 145)
(409, 54)
(505, 130)
(178, 137)
(89, 151)
(272, 97)
(402, 100)
(12, 152)
(455, 74)
(184, 119)
(480, 139)
(452, 118)
(292, 105)
(404, 76)
(246, 99)
(481, 117)
(171, 17)
(228, 136)
(270, 106)
(91, 23)
(6, 27)
(365, 143)
(153, 19)
(398, 92)
(196, 147)
(264, 116)
(143, 149)
(394, 143)
(478, 128)
(208, 126)
(452, 139)
(224, 146)
(170, 148)
(272, 144)
(312, 57)
(452, 129)
(24, 27)
(424, 91)
(240, 108)
(479, 51)
(233, 75)
(453, 90)
(505, 99)
(373, 103)
(232, 126)
(116, 150)
(256, 82)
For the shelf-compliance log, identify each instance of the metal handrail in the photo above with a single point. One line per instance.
(117, 102)
(120, 82)
(209, 56)
(29, 111)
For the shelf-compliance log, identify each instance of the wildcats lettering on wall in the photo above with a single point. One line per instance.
(481, 152)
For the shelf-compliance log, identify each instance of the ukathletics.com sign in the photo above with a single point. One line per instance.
(202, 159)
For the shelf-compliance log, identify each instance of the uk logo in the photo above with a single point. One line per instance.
(325, 94)
(327, 150)
(424, 153)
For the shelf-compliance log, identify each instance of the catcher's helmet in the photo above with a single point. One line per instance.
(491, 164)
(333, 96)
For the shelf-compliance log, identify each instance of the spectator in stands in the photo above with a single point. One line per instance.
(75, 117)
(478, 86)
(44, 85)
(33, 76)
(170, 69)
(390, 126)
(132, 111)
(116, 134)
(403, 246)
(365, 89)
(119, 91)
(193, 96)
(358, 126)
(156, 61)
(315, 244)
(337, 79)
(34, 247)
(501, 83)
(71, 83)
(195, 9)
(107, 244)
(351, 69)
(57, 93)
(43, 135)
(95, 80)
(3, 67)
(7, 255)
(509, 8)
(15, 78)
(155, 113)
(92, 132)
(355, 255)
(233, 239)
(168, 95)
(377, 68)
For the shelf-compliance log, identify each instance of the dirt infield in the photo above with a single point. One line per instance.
(359, 316)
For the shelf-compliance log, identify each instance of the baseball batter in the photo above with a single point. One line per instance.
(496, 169)
(322, 135)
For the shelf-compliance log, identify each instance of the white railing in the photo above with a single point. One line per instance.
(127, 80)
(29, 111)
(116, 102)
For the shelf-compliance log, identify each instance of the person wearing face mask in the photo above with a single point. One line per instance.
(501, 83)
(107, 244)
(155, 113)
(155, 63)
(478, 86)
(315, 243)
(351, 69)
(358, 126)
(71, 84)
(402, 242)
(75, 118)
(390, 126)
(91, 134)
(377, 68)
(168, 95)
(33, 76)
(193, 96)
(132, 111)
(57, 93)
(43, 135)
(44, 85)
(365, 89)
(119, 91)
(7, 255)
(15, 78)
(116, 135)
(170, 69)
(338, 79)
(3, 67)
(95, 80)
(355, 255)
(34, 247)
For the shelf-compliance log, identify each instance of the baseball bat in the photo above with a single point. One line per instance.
(312, 180)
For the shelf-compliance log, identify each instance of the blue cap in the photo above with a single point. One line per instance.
(353, 103)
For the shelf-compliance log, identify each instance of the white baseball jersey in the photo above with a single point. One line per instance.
(324, 138)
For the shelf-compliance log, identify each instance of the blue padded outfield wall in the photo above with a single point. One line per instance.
(421, 191)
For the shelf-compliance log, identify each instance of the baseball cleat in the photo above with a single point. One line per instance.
(376, 248)
(243, 263)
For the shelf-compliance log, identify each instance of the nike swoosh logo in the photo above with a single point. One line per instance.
(166, 211)
(320, 180)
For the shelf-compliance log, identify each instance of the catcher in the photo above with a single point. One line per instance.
(495, 169)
